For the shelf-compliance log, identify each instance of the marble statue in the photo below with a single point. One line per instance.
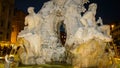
(7, 62)
(85, 40)
(99, 21)
(88, 19)
(103, 28)
(32, 19)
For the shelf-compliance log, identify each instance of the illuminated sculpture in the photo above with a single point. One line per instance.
(88, 19)
(42, 43)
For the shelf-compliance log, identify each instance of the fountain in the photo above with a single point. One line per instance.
(86, 42)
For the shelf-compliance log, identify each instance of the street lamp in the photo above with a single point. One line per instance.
(112, 26)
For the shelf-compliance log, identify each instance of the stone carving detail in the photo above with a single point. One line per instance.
(41, 37)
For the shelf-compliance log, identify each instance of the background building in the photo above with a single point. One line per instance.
(115, 32)
(17, 24)
(6, 15)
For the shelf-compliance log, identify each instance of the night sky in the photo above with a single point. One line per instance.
(109, 10)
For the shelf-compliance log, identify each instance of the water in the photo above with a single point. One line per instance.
(50, 65)
(46, 66)
(37, 66)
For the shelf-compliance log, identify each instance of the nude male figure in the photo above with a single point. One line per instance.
(88, 19)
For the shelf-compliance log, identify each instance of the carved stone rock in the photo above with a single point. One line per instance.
(85, 40)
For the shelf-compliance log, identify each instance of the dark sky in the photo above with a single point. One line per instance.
(24, 4)
(109, 10)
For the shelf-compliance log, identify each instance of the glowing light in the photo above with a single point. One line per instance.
(112, 26)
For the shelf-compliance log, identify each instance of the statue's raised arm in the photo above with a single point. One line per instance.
(88, 19)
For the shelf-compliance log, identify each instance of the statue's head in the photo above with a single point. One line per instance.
(92, 6)
(30, 9)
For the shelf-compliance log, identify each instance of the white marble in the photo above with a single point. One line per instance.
(41, 35)
(88, 19)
